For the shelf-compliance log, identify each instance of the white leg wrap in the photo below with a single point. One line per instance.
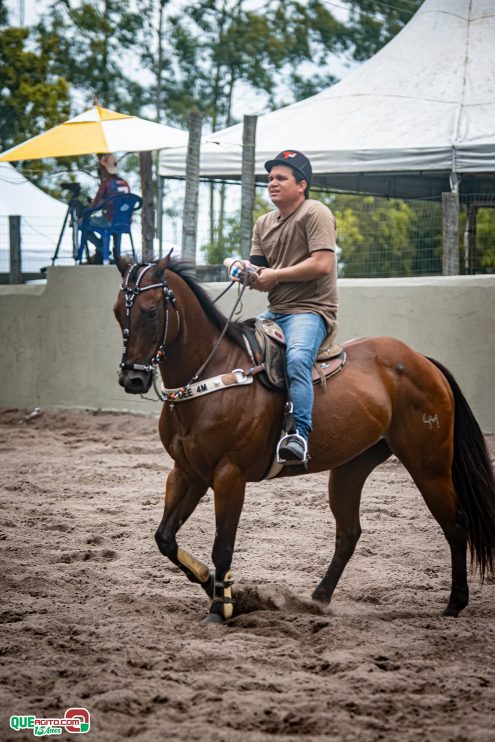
(228, 608)
(223, 594)
(198, 569)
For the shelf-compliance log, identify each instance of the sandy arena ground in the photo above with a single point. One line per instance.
(93, 616)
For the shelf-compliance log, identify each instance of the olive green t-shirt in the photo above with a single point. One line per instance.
(286, 241)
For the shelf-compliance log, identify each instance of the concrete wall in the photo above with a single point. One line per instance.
(61, 344)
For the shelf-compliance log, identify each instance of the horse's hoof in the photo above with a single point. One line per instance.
(213, 618)
(452, 612)
(320, 597)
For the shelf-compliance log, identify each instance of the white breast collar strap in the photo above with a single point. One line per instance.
(237, 377)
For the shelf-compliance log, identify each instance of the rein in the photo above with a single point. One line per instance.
(222, 334)
(168, 296)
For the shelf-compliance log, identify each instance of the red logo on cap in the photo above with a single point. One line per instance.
(286, 155)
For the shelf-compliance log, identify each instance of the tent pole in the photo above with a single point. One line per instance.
(159, 215)
(450, 209)
(248, 183)
(190, 217)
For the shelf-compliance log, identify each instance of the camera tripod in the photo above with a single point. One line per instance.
(72, 215)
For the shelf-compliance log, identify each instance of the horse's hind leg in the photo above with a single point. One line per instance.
(442, 502)
(434, 481)
(428, 459)
(181, 498)
(345, 487)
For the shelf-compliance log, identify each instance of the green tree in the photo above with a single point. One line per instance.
(485, 239)
(376, 237)
(484, 259)
(217, 47)
(92, 44)
(34, 96)
(228, 243)
(373, 23)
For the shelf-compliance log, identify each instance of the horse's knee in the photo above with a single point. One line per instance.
(166, 544)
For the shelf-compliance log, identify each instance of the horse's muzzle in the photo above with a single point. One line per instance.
(135, 382)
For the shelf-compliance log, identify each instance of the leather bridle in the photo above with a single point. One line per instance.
(130, 295)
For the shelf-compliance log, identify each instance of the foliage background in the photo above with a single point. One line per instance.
(162, 59)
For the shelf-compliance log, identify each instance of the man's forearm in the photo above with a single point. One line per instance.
(318, 264)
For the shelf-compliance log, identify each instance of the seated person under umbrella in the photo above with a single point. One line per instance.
(110, 184)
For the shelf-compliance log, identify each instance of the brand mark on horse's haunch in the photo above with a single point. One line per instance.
(431, 420)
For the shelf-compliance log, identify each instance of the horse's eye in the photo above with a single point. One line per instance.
(152, 313)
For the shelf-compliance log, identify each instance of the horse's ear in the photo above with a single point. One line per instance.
(123, 263)
(161, 267)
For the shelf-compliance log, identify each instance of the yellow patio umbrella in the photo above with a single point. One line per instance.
(97, 130)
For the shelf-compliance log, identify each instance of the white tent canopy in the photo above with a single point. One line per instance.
(398, 125)
(19, 196)
(42, 218)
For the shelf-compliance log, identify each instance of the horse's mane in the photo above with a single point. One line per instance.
(187, 272)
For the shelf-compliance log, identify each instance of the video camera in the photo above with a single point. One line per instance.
(74, 188)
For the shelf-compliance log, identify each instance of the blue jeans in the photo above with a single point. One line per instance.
(97, 221)
(304, 333)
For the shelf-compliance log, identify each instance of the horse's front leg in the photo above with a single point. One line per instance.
(182, 495)
(229, 486)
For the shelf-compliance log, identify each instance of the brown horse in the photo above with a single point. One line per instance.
(387, 399)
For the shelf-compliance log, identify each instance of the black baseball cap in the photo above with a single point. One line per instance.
(294, 159)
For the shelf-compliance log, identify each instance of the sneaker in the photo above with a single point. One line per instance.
(292, 449)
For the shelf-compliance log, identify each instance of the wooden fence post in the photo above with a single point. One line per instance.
(148, 211)
(15, 249)
(248, 183)
(450, 206)
(191, 207)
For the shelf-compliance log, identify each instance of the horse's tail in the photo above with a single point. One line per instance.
(474, 481)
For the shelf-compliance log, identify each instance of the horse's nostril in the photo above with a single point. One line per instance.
(135, 383)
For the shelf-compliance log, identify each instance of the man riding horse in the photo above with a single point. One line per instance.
(294, 247)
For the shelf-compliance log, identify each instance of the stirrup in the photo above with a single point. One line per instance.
(292, 462)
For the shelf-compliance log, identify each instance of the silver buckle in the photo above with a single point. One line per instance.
(239, 375)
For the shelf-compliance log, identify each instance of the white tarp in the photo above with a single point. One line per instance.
(19, 196)
(41, 222)
(425, 103)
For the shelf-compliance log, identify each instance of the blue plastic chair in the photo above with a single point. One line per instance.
(123, 206)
